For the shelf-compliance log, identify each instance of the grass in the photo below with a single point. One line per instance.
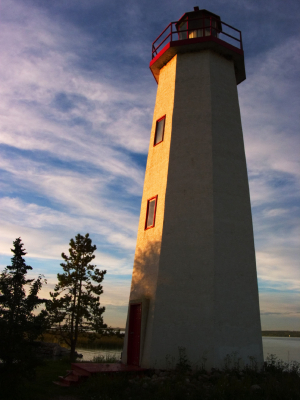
(108, 358)
(281, 333)
(278, 381)
(107, 342)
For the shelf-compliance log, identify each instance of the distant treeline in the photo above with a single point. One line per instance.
(106, 341)
(281, 333)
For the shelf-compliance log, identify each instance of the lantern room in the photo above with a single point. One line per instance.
(196, 31)
(198, 23)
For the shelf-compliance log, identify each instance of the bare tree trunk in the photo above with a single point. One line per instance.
(78, 310)
(73, 350)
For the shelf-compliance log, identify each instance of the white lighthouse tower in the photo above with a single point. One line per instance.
(194, 282)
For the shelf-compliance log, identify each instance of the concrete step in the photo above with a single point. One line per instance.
(81, 371)
(78, 370)
(68, 381)
(69, 378)
(61, 384)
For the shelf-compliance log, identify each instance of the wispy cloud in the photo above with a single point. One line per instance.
(62, 133)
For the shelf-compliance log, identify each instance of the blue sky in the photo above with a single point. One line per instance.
(77, 98)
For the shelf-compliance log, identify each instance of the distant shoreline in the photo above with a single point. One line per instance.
(281, 333)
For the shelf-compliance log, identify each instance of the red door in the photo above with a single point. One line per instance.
(134, 334)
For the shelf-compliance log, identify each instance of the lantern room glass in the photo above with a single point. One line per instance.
(197, 27)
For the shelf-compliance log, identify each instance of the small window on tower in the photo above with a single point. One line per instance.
(159, 130)
(151, 211)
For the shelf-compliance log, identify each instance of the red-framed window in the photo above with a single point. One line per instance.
(159, 130)
(151, 212)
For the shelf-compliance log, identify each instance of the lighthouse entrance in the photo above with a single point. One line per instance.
(134, 336)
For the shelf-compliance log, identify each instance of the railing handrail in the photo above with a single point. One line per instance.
(231, 27)
(155, 49)
(212, 28)
(171, 23)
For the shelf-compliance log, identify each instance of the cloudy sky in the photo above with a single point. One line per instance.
(76, 105)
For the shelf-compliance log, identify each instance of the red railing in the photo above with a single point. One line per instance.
(207, 26)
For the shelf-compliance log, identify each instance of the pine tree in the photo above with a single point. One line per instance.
(20, 323)
(75, 308)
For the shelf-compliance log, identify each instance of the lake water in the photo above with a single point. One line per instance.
(286, 349)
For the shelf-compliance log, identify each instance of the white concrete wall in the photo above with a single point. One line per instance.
(197, 265)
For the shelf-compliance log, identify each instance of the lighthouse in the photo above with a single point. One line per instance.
(194, 281)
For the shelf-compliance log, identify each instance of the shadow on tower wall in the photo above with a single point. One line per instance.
(145, 270)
